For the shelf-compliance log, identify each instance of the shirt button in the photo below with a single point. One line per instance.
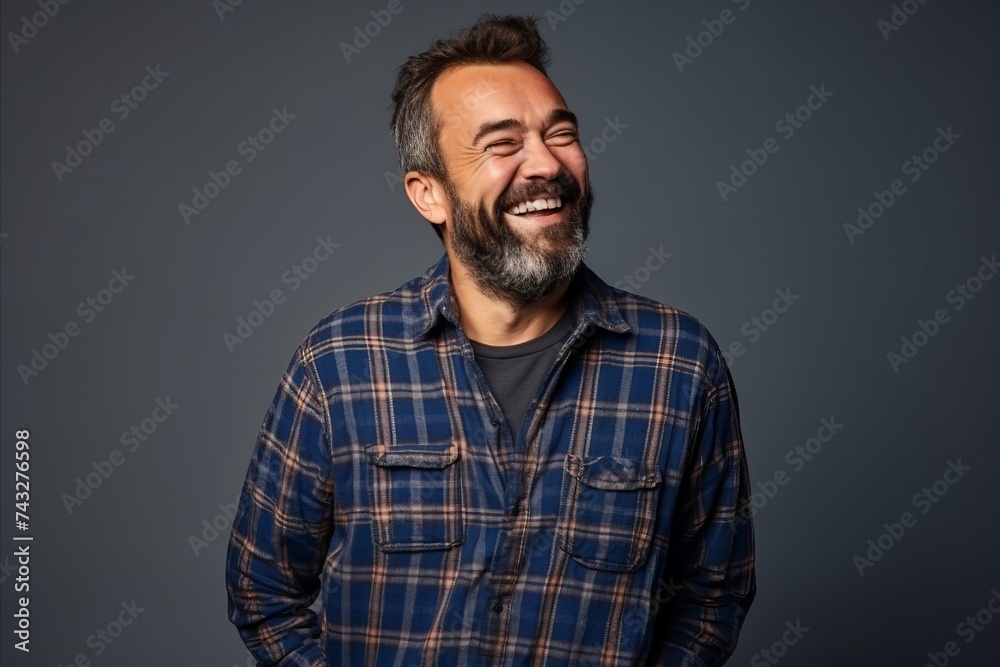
(495, 421)
(498, 606)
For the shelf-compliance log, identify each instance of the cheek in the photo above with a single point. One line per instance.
(574, 161)
(496, 178)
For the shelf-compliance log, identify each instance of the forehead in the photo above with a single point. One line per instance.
(466, 95)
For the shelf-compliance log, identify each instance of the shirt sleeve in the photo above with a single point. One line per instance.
(281, 531)
(710, 581)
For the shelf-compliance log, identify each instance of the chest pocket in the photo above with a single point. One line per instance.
(609, 512)
(416, 497)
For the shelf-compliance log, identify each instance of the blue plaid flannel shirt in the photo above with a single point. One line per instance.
(612, 529)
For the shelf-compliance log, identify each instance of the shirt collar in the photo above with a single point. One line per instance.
(594, 300)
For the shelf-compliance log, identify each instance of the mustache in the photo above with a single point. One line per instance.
(563, 186)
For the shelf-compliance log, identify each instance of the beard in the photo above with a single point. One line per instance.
(512, 268)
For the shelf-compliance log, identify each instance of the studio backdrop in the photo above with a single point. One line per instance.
(189, 186)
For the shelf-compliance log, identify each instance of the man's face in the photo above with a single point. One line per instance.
(509, 144)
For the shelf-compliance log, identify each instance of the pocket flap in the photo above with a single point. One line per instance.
(416, 459)
(613, 473)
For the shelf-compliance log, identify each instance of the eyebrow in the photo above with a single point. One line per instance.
(489, 127)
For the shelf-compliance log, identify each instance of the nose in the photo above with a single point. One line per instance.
(539, 162)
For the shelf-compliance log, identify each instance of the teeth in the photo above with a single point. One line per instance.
(537, 205)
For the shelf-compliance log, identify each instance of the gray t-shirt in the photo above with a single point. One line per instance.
(515, 372)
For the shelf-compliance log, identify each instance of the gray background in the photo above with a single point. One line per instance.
(325, 176)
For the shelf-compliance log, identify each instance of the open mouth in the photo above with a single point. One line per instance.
(537, 206)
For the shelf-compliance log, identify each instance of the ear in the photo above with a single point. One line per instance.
(427, 196)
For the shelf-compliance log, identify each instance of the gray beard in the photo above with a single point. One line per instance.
(511, 269)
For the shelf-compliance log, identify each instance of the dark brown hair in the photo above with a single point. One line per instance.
(492, 39)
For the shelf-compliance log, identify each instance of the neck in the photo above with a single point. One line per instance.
(492, 321)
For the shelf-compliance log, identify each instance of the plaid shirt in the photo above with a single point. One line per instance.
(611, 529)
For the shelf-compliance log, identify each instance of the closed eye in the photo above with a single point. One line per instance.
(564, 138)
(504, 147)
